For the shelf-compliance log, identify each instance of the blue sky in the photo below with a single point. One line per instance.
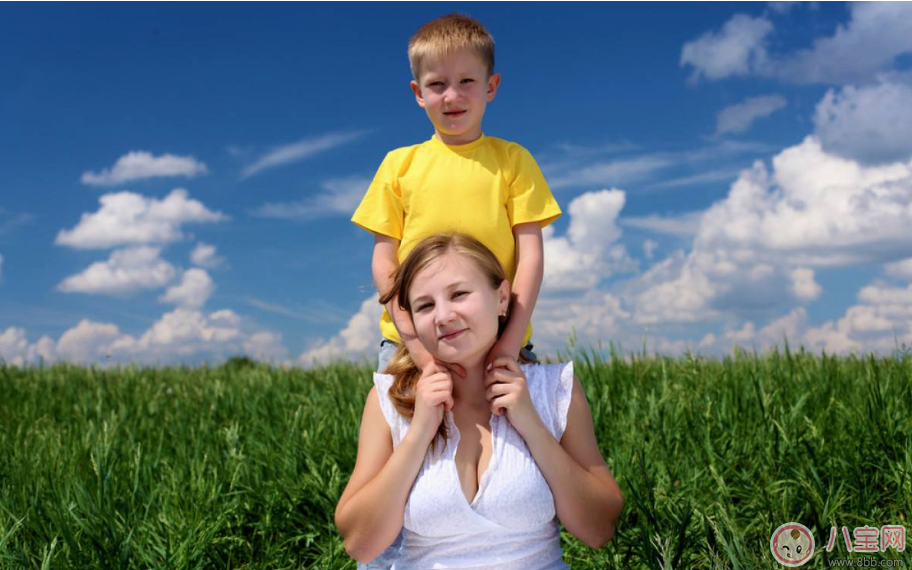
(176, 180)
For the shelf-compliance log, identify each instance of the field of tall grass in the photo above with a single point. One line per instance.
(240, 466)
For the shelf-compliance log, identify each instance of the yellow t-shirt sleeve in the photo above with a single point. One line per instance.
(381, 210)
(529, 198)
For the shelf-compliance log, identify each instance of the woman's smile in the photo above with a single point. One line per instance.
(453, 335)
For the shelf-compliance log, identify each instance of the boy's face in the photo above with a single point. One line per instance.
(454, 90)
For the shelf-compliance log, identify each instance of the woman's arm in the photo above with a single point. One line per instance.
(371, 509)
(586, 496)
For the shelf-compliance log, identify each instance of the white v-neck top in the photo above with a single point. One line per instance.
(511, 523)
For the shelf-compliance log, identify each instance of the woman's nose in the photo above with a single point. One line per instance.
(444, 314)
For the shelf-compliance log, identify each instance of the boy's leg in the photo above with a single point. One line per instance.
(385, 559)
(387, 349)
(526, 352)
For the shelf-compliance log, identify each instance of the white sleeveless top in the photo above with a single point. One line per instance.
(511, 523)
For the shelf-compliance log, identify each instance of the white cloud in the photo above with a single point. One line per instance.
(594, 316)
(872, 124)
(902, 269)
(737, 49)
(192, 292)
(803, 285)
(359, 339)
(739, 118)
(178, 336)
(879, 323)
(298, 151)
(587, 254)
(16, 350)
(126, 218)
(126, 270)
(875, 35)
(614, 172)
(88, 341)
(265, 346)
(649, 247)
(136, 165)
(755, 251)
(204, 255)
(684, 224)
(340, 196)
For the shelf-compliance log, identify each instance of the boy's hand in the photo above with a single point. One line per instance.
(501, 349)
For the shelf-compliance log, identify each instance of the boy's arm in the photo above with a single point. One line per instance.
(383, 266)
(526, 286)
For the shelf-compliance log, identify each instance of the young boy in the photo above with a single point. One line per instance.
(459, 180)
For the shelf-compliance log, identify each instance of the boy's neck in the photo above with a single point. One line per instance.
(459, 140)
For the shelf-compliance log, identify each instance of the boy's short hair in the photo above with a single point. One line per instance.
(447, 34)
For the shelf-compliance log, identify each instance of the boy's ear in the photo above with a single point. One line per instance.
(493, 86)
(416, 89)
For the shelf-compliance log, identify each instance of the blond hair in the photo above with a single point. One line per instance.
(448, 34)
(405, 373)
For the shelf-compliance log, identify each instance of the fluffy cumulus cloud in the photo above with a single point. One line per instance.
(880, 322)
(737, 49)
(739, 118)
(872, 123)
(137, 165)
(295, 152)
(589, 251)
(192, 292)
(756, 250)
(338, 197)
(876, 33)
(126, 271)
(183, 335)
(358, 340)
(901, 269)
(127, 218)
(205, 255)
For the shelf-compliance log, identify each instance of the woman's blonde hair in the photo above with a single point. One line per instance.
(406, 374)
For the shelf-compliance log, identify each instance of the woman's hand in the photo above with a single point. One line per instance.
(433, 397)
(508, 394)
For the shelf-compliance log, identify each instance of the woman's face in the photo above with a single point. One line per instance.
(455, 310)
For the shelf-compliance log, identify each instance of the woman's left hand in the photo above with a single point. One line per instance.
(507, 393)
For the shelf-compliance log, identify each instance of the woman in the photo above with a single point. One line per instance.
(476, 469)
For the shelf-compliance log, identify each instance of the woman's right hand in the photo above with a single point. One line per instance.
(433, 397)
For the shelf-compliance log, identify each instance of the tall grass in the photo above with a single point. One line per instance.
(240, 466)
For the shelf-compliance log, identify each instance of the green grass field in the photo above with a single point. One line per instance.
(240, 466)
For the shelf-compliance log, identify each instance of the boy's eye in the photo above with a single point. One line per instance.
(435, 83)
(460, 294)
(467, 80)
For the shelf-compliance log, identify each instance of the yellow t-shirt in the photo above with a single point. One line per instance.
(482, 189)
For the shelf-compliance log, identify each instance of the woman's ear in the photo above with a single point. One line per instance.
(503, 297)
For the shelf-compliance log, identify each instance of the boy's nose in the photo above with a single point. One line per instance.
(451, 93)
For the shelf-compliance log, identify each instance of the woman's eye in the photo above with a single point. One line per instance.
(421, 308)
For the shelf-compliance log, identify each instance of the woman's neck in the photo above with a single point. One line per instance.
(469, 392)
